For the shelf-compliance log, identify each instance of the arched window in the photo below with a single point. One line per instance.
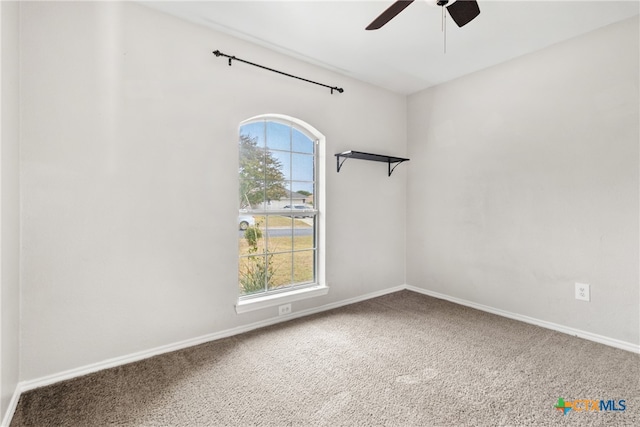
(280, 206)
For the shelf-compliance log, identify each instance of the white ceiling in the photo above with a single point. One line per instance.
(406, 55)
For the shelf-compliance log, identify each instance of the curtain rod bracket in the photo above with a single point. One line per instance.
(231, 57)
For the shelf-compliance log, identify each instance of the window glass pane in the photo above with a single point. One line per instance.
(304, 194)
(260, 223)
(278, 164)
(280, 233)
(254, 131)
(278, 136)
(251, 194)
(303, 235)
(286, 201)
(251, 274)
(246, 220)
(251, 160)
(250, 241)
(303, 266)
(301, 143)
(302, 168)
(277, 194)
(279, 227)
(279, 270)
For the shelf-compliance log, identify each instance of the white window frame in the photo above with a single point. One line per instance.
(247, 303)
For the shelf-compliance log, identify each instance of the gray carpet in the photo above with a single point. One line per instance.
(403, 359)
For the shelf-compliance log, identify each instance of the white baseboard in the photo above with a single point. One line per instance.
(11, 409)
(612, 342)
(134, 357)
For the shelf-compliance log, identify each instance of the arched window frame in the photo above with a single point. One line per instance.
(272, 297)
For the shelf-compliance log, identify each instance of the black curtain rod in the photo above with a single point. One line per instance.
(232, 58)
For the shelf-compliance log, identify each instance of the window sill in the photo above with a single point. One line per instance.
(252, 304)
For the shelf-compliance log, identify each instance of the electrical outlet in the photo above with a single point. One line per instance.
(583, 292)
(284, 309)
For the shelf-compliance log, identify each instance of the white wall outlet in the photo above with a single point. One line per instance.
(583, 292)
(284, 309)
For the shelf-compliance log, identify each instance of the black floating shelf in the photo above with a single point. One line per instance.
(368, 156)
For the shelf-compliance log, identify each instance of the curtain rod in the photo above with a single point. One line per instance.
(232, 58)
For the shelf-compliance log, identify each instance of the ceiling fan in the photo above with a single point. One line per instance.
(461, 11)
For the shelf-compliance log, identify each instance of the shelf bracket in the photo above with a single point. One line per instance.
(339, 163)
(391, 169)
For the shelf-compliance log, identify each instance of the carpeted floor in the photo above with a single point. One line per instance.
(403, 359)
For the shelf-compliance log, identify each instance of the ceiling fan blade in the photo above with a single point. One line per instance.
(389, 14)
(463, 11)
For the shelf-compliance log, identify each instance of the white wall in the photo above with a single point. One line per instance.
(9, 204)
(524, 180)
(129, 143)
